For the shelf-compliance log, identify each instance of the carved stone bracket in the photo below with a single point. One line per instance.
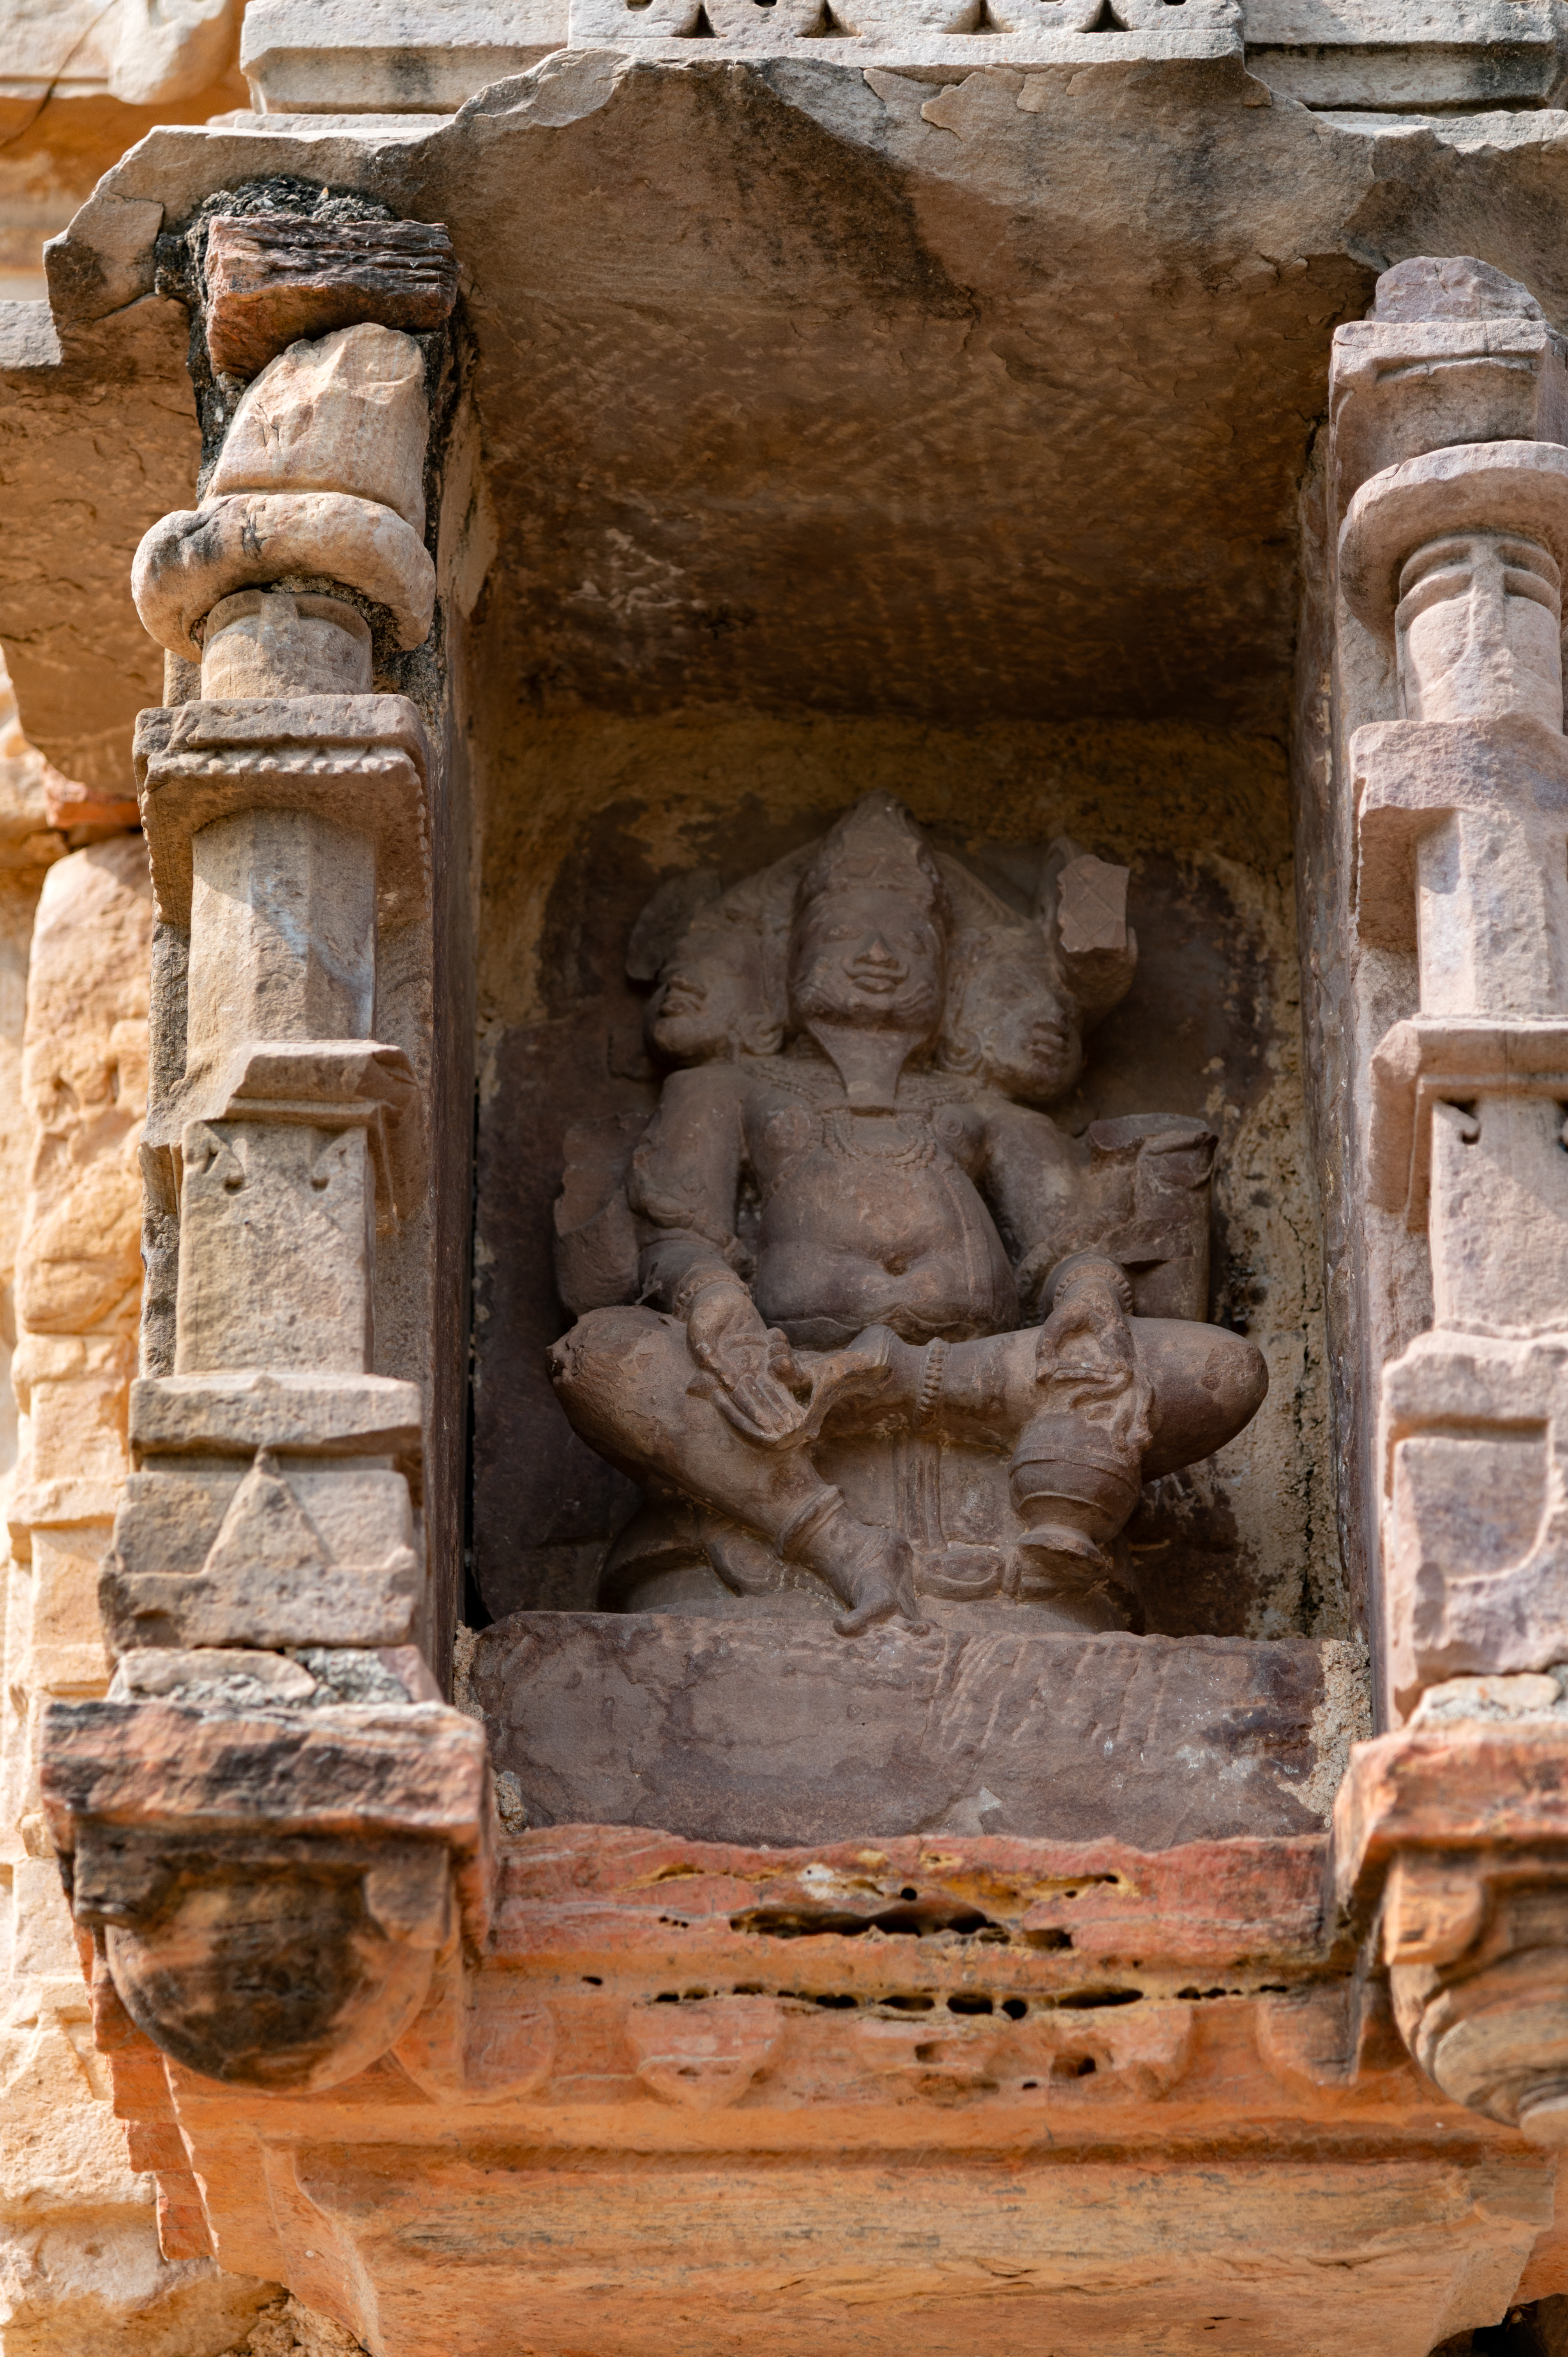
(1450, 1856)
(272, 1888)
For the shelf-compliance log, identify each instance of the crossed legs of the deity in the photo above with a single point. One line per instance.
(629, 1386)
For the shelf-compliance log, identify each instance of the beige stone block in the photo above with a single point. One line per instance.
(1460, 834)
(1459, 1702)
(369, 1605)
(276, 1220)
(71, 2284)
(283, 933)
(1478, 629)
(72, 1456)
(274, 1408)
(292, 1551)
(1399, 387)
(149, 1672)
(85, 1076)
(191, 559)
(1473, 1440)
(346, 414)
(43, 1938)
(1497, 1218)
(66, 1631)
(63, 2149)
(163, 55)
(1432, 1061)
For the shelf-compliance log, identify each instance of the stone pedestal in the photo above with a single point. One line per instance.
(768, 1731)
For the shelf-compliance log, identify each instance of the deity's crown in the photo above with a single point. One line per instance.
(876, 843)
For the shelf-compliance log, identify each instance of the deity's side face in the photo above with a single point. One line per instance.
(1018, 1030)
(692, 1013)
(708, 1001)
(869, 958)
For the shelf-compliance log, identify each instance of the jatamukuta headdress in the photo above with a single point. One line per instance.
(876, 843)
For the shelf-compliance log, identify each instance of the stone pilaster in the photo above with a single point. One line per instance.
(273, 1727)
(1449, 479)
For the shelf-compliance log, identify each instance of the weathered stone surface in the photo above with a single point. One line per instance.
(314, 56)
(311, 56)
(1400, 386)
(263, 643)
(1459, 1832)
(293, 1551)
(346, 414)
(282, 943)
(80, 2255)
(1502, 486)
(848, 1957)
(1469, 1443)
(140, 53)
(209, 1850)
(274, 279)
(420, 1771)
(756, 1730)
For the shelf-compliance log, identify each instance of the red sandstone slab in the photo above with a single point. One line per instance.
(349, 1771)
(618, 1892)
(779, 1732)
(1501, 1787)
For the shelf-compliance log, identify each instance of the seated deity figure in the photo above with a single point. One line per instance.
(887, 1341)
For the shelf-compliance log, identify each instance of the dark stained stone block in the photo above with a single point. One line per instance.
(781, 1732)
(273, 278)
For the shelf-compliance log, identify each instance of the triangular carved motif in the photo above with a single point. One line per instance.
(265, 1528)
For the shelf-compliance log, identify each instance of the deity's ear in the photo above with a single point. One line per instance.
(1081, 907)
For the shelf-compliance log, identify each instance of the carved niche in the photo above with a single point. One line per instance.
(874, 1334)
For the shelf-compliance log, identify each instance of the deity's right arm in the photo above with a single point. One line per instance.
(684, 1185)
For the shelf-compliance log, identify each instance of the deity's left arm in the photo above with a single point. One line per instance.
(1038, 1184)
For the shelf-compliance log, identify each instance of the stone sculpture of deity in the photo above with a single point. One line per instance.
(876, 1337)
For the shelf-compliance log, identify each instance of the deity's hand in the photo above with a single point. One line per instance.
(750, 1363)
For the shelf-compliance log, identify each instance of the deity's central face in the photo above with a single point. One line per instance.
(870, 958)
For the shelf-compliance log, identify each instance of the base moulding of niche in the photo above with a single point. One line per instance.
(781, 1732)
(711, 2046)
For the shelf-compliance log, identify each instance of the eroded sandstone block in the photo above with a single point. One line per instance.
(347, 413)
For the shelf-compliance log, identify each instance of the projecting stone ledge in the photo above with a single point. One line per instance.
(771, 1732)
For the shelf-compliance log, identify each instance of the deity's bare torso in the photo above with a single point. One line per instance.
(864, 1218)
